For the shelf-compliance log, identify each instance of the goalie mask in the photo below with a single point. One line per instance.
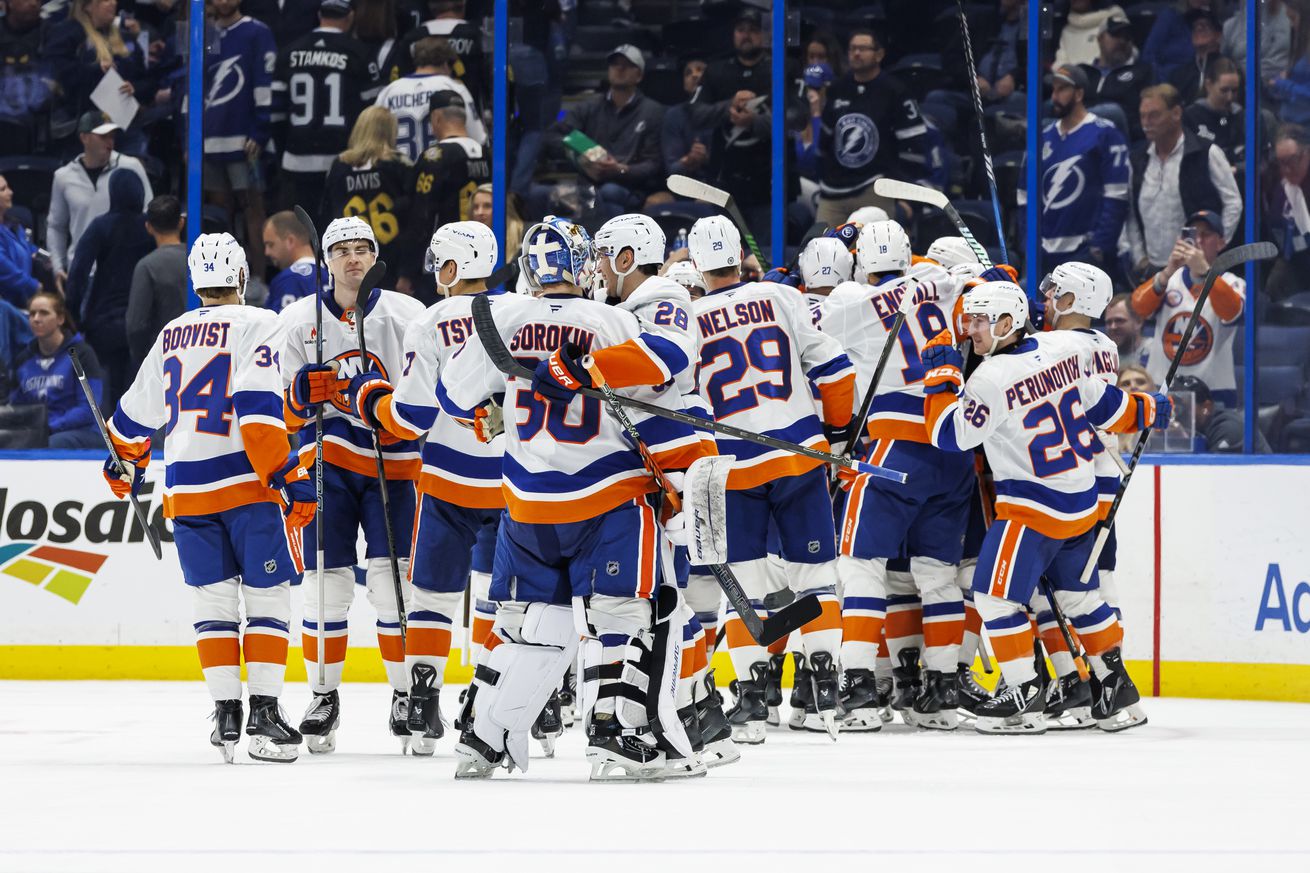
(556, 251)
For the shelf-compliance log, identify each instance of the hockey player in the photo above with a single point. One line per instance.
(825, 263)
(352, 494)
(227, 489)
(1032, 406)
(459, 488)
(688, 277)
(760, 354)
(580, 527)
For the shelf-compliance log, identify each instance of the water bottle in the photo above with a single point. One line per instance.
(680, 241)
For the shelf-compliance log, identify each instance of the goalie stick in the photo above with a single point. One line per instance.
(694, 189)
(894, 190)
(485, 325)
(1259, 251)
(137, 508)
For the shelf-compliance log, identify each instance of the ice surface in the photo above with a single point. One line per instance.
(110, 776)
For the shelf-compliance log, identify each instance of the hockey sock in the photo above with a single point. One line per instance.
(427, 637)
(268, 612)
(864, 610)
(972, 628)
(484, 615)
(339, 585)
(823, 634)
(904, 627)
(1011, 635)
(382, 594)
(883, 666)
(1053, 641)
(742, 648)
(943, 613)
(217, 638)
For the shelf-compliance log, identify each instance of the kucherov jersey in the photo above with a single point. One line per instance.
(212, 381)
(347, 441)
(569, 462)
(760, 353)
(407, 99)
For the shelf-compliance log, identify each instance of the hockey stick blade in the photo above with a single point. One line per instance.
(780, 625)
(310, 230)
(372, 279)
(895, 190)
(694, 189)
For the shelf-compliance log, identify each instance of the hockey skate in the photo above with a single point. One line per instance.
(425, 725)
(271, 738)
(474, 759)
(678, 767)
(804, 715)
(716, 732)
(320, 723)
(773, 689)
(934, 708)
(568, 699)
(618, 755)
(1115, 707)
(906, 685)
(969, 694)
(859, 698)
(549, 725)
(884, 699)
(749, 714)
(227, 728)
(1069, 704)
(399, 720)
(825, 691)
(1017, 710)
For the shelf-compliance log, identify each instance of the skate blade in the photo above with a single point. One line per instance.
(862, 721)
(1128, 717)
(720, 754)
(228, 748)
(908, 717)
(774, 718)
(422, 747)
(936, 721)
(1076, 719)
(965, 718)
(830, 724)
(750, 734)
(264, 749)
(686, 768)
(607, 769)
(321, 744)
(404, 743)
(1032, 724)
(548, 744)
(470, 765)
(885, 713)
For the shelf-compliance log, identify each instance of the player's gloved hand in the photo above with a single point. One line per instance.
(363, 395)
(676, 529)
(999, 273)
(1037, 314)
(943, 365)
(839, 437)
(783, 276)
(121, 484)
(488, 421)
(1154, 410)
(312, 385)
(298, 496)
(561, 375)
(847, 477)
(848, 233)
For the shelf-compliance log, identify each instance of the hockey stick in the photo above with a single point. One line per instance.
(765, 632)
(685, 186)
(372, 279)
(123, 470)
(1260, 251)
(894, 190)
(1079, 657)
(317, 245)
(982, 131)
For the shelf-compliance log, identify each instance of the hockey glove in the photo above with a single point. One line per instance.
(313, 385)
(1154, 410)
(363, 395)
(848, 233)
(783, 276)
(999, 273)
(488, 421)
(121, 484)
(943, 366)
(846, 478)
(839, 437)
(561, 375)
(298, 496)
(1036, 315)
(676, 530)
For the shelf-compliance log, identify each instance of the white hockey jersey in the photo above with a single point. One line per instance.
(407, 99)
(1104, 361)
(567, 463)
(760, 354)
(212, 381)
(1209, 355)
(1032, 408)
(347, 441)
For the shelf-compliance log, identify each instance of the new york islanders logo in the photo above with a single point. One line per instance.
(349, 366)
(1202, 339)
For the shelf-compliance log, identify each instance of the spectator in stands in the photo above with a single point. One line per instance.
(1171, 295)
(1078, 37)
(469, 65)
(236, 120)
(1217, 116)
(286, 245)
(823, 48)
(159, 282)
(536, 61)
(15, 334)
(482, 206)
(816, 79)
(1219, 428)
(1207, 37)
(1133, 377)
(45, 375)
(288, 20)
(1175, 174)
(1292, 88)
(749, 69)
(686, 148)
(111, 248)
(80, 191)
(1275, 39)
(740, 157)
(999, 66)
(1084, 193)
(1121, 76)
(409, 98)
(82, 48)
(17, 284)
(871, 128)
(1124, 326)
(1286, 191)
(1169, 44)
(25, 83)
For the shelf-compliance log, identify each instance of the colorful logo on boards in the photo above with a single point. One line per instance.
(65, 573)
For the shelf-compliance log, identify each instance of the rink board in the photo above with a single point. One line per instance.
(1213, 567)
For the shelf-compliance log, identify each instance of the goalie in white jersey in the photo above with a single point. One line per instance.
(211, 381)
(352, 498)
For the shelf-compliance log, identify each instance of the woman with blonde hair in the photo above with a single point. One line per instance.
(370, 179)
(82, 48)
(481, 208)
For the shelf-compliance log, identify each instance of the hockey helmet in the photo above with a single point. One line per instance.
(996, 300)
(882, 247)
(347, 230)
(632, 231)
(686, 275)
(470, 244)
(217, 260)
(867, 215)
(825, 262)
(1090, 286)
(951, 251)
(714, 243)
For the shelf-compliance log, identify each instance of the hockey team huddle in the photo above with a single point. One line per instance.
(598, 454)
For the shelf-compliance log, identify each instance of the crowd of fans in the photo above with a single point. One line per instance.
(382, 109)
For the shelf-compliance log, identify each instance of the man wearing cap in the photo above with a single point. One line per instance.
(749, 69)
(80, 191)
(1000, 66)
(409, 98)
(1207, 40)
(1121, 75)
(1175, 174)
(1170, 295)
(1083, 178)
(1220, 428)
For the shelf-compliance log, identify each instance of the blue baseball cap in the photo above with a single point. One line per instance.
(818, 75)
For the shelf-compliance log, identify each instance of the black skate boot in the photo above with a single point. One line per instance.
(715, 731)
(619, 755)
(1016, 710)
(748, 715)
(1116, 707)
(1069, 704)
(825, 684)
(804, 715)
(474, 759)
(424, 723)
(884, 700)
(773, 689)
(568, 699)
(399, 719)
(969, 694)
(676, 766)
(906, 684)
(549, 725)
(859, 700)
(227, 728)
(934, 708)
(321, 722)
(272, 739)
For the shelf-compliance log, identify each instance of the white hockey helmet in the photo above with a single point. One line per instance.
(951, 251)
(882, 247)
(686, 275)
(217, 260)
(346, 230)
(996, 300)
(1090, 286)
(867, 215)
(632, 231)
(470, 244)
(825, 262)
(714, 243)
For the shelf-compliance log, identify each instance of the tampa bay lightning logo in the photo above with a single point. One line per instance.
(855, 140)
(1063, 182)
(228, 81)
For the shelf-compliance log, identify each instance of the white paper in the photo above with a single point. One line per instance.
(121, 108)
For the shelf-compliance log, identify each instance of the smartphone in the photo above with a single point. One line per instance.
(755, 104)
(1189, 234)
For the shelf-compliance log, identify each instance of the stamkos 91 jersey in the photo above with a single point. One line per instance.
(860, 318)
(1032, 408)
(211, 380)
(347, 441)
(760, 354)
(570, 462)
(457, 467)
(1103, 358)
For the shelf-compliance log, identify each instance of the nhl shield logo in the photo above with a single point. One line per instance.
(270, 566)
(612, 568)
(813, 546)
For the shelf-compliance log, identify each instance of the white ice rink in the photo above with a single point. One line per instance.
(119, 776)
